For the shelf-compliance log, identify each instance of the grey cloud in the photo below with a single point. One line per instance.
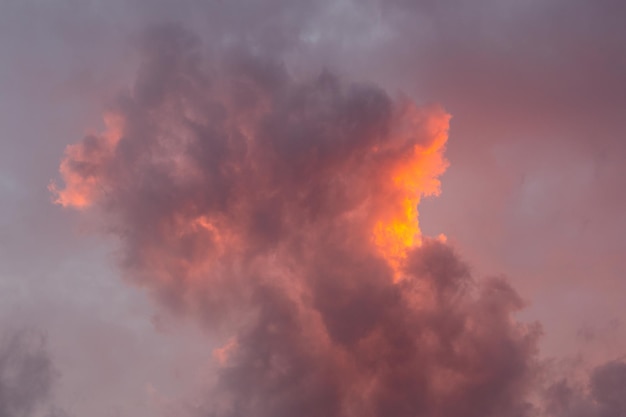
(604, 396)
(27, 375)
(608, 388)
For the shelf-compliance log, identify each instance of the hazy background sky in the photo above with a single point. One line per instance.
(534, 191)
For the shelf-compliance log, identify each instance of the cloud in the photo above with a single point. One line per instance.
(280, 210)
(536, 152)
(365, 346)
(27, 375)
(603, 396)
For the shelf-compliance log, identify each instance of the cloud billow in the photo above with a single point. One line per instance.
(281, 212)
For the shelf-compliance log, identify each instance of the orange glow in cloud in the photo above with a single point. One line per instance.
(222, 354)
(82, 165)
(412, 177)
(411, 162)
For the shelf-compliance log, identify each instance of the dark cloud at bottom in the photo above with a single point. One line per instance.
(27, 375)
(247, 198)
(605, 395)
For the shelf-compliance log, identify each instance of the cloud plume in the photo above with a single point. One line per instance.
(280, 210)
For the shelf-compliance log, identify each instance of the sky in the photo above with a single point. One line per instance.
(291, 208)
